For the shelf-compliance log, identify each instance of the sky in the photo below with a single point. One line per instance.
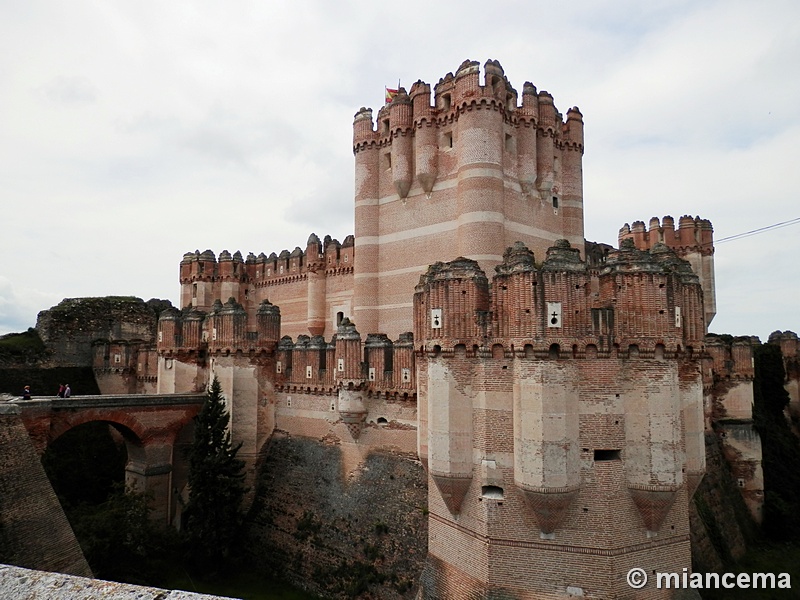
(133, 132)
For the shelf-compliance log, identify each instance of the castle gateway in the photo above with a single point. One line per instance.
(551, 388)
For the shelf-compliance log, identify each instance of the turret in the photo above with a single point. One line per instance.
(425, 138)
(350, 377)
(315, 267)
(693, 241)
(367, 219)
(228, 326)
(545, 145)
(526, 139)
(268, 323)
(400, 123)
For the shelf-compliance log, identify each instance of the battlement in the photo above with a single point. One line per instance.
(731, 358)
(376, 365)
(693, 234)
(639, 304)
(224, 329)
(264, 270)
(463, 168)
(463, 91)
(693, 240)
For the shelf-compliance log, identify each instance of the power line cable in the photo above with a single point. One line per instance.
(745, 234)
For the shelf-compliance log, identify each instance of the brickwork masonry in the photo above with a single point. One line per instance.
(34, 531)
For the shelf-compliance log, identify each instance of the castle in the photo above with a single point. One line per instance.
(549, 386)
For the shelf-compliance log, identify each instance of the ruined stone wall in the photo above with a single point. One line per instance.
(336, 531)
(729, 414)
(70, 327)
(721, 522)
(34, 531)
(790, 349)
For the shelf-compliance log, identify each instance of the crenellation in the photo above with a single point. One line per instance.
(495, 411)
(544, 402)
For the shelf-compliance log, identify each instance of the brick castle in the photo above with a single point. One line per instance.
(556, 391)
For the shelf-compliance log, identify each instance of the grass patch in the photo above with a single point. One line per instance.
(21, 344)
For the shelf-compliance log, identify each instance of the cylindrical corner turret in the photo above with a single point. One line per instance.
(400, 124)
(450, 303)
(425, 142)
(363, 128)
(268, 323)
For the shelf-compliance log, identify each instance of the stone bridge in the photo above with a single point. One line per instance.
(155, 428)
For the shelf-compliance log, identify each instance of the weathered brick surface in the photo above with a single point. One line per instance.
(34, 532)
(326, 527)
(576, 439)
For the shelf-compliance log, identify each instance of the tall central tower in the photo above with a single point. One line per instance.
(467, 172)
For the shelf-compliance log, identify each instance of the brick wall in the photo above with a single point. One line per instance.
(34, 532)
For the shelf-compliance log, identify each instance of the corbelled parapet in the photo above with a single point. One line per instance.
(268, 323)
(456, 295)
(731, 358)
(223, 329)
(228, 326)
(350, 377)
(379, 354)
(454, 94)
(636, 317)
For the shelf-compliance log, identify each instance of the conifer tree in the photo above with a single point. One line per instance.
(216, 488)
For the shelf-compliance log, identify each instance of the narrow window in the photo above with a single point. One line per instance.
(492, 492)
(555, 201)
(604, 455)
(445, 101)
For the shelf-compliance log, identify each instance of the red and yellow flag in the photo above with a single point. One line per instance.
(390, 94)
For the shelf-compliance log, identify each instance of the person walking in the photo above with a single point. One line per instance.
(26, 392)
(60, 390)
(67, 391)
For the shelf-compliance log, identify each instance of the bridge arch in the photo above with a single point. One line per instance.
(150, 426)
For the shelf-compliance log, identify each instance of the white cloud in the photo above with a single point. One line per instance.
(142, 131)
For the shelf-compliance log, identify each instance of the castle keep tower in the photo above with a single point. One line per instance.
(553, 402)
(467, 170)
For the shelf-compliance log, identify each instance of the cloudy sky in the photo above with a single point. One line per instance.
(132, 132)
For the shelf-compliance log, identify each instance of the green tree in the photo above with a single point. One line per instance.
(216, 484)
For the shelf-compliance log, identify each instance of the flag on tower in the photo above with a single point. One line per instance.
(390, 94)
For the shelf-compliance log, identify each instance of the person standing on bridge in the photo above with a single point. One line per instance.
(61, 388)
(26, 392)
(67, 391)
